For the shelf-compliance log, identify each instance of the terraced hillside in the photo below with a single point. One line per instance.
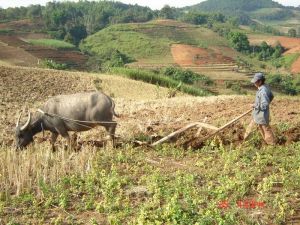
(162, 43)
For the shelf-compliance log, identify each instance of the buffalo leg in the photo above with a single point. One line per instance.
(111, 129)
(66, 135)
(53, 140)
(69, 141)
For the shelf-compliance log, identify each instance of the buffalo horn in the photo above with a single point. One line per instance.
(27, 123)
(18, 121)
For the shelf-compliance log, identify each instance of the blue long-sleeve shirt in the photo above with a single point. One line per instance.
(261, 111)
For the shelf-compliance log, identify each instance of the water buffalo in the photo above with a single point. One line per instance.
(64, 113)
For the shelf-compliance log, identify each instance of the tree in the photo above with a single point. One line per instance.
(167, 12)
(77, 33)
(278, 51)
(34, 11)
(239, 41)
(195, 18)
(292, 32)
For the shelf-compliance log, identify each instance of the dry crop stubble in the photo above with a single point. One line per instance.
(23, 170)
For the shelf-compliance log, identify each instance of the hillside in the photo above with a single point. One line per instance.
(161, 43)
(153, 40)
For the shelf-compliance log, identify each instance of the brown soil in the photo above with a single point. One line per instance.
(187, 55)
(289, 42)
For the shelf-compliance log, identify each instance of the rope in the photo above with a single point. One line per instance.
(79, 122)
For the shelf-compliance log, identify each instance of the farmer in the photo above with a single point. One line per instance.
(261, 111)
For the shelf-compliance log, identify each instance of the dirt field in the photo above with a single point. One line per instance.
(211, 62)
(186, 55)
(142, 112)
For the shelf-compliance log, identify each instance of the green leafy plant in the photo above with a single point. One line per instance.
(51, 64)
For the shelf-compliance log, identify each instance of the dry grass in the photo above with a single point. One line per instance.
(23, 170)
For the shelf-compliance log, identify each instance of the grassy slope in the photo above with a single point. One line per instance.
(151, 41)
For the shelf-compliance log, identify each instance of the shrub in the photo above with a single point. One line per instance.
(186, 76)
(286, 84)
(239, 41)
(108, 59)
(49, 63)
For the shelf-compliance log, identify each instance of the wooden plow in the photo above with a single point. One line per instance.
(201, 125)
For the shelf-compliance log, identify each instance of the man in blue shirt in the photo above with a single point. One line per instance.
(261, 110)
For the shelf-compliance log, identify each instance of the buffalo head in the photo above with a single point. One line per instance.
(23, 134)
